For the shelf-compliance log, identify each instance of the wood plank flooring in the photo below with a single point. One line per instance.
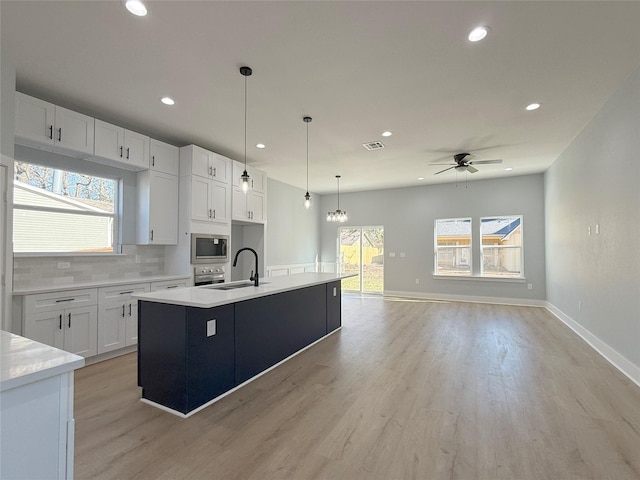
(406, 390)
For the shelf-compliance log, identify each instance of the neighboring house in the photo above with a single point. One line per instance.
(72, 225)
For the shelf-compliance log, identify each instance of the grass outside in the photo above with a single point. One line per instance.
(373, 278)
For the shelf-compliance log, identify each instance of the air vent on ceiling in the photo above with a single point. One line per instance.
(373, 145)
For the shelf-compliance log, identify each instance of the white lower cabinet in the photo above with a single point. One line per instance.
(70, 329)
(118, 316)
(169, 284)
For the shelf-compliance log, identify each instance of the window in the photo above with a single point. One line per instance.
(453, 246)
(501, 246)
(59, 211)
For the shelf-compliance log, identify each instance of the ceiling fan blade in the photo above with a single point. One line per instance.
(444, 170)
(453, 164)
(485, 162)
(471, 169)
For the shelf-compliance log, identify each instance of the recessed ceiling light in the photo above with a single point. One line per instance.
(508, 169)
(168, 101)
(260, 145)
(478, 34)
(136, 7)
(533, 106)
(387, 134)
(420, 178)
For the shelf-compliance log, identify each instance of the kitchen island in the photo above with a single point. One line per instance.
(197, 344)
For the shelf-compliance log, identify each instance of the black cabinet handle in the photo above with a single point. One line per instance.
(69, 321)
(60, 134)
(50, 132)
(126, 293)
(127, 153)
(129, 309)
(60, 322)
(121, 149)
(123, 310)
(151, 234)
(153, 161)
(65, 300)
(172, 286)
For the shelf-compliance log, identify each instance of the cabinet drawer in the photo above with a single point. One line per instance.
(169, 284)
(59, 300)
(122, 293)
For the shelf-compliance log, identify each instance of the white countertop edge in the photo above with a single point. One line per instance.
(204, 297)
(26, 361)
(98, 284)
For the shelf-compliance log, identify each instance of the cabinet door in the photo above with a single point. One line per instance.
(73, 131)
(239, 205)
(221, 167)
(220, 203)
(109, 141)
(164, 157)
(34, 119)
(131, 323)
(257, 180)
(81, 331)
(200, 195)
(46, 327)
(136, 150)
(201, 162)
(255, 206)
(112, 326)
(163, 209)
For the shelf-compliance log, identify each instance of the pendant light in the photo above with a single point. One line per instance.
(338, 215)
(307, 197)
(244, 178)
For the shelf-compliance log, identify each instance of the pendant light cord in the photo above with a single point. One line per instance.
(307, 157)
(245, 123)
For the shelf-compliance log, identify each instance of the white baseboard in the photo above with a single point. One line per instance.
(523, 302)
(629, 369)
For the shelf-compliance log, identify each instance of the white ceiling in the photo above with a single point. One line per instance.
(356, 67)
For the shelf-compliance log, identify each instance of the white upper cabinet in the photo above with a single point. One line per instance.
(157, 208)
(125, 148)
(47, 126)
(206, 164)
(164, 157)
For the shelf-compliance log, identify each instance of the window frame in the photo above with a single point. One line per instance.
(520, 246)
(436, 247)
(116, 216)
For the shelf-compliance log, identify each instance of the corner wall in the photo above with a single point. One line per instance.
(593, 280)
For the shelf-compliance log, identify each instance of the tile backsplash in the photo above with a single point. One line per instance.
(135, 261)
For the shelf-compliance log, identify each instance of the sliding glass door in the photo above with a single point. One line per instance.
(361, 252)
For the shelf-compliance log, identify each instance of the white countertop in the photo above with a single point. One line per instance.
(24, 361)
(206, 297)
(97, 284)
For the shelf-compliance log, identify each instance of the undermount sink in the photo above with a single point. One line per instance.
(233, 286)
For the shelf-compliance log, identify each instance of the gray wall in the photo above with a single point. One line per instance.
(408, 214)
(292, 230)
(597, 181)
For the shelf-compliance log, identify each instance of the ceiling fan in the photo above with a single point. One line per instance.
(463, 165)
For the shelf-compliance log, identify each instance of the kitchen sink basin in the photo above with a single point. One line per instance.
(233, 286)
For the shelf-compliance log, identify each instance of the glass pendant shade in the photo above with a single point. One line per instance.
(307, 201)
(244, 179)
(339, 216)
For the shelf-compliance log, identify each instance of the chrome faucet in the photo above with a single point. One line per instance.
(253, 277)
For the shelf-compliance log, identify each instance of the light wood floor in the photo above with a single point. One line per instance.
(406, 390)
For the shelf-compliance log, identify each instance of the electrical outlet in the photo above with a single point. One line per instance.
(402, 255)
(530, 286)
(63, 265)
(392, 254)
(589, 230)
(597, 229)
(138, 259)
(417, 281)
(211, 328)
(579, 305)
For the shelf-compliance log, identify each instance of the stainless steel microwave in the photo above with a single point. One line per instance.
(207, 248)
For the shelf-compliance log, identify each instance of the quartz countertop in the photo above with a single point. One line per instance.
(98, 284)
(207, 297)
(24, 361)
